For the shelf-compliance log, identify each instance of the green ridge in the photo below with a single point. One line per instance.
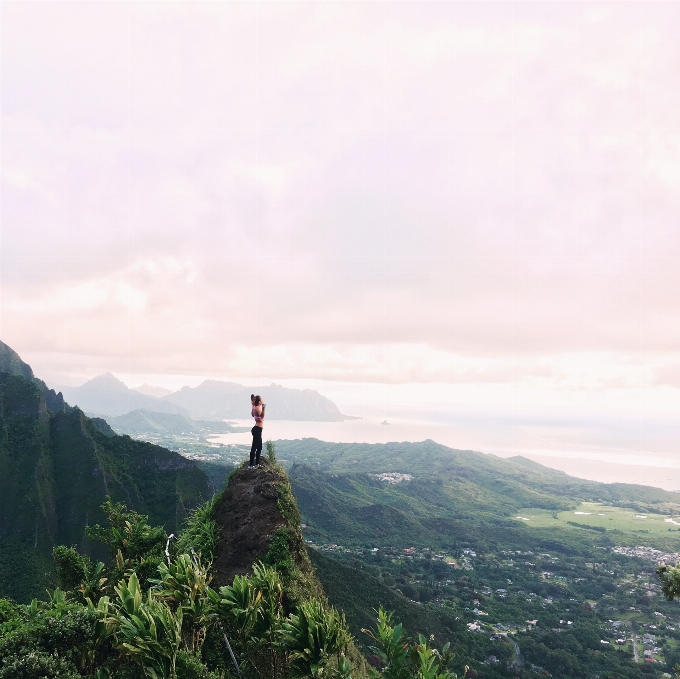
(56, 469)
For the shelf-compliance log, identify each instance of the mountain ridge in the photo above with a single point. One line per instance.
(214, 399)
(57, 466)
(107, 396)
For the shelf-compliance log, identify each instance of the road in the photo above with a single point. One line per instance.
(635, 651)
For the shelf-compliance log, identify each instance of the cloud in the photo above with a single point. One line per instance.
(405, 192)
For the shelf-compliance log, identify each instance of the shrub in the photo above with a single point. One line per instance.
(190, 666)
(200, 532)
(37, 665)
(71, 566)
(271, 453)
(128, 533)
(312, 636)
(278, 554)
(403, 659)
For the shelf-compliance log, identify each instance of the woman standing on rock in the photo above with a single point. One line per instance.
(258, 413)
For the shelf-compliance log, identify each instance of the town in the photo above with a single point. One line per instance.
(516, 597)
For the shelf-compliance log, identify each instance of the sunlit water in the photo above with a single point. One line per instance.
(608, 452)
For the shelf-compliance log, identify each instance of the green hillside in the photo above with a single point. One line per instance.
(479, 481)
(428, 494)
(360, 595)
(531, 558)
(56, 469)
(143, 421)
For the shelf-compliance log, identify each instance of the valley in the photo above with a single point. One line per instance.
(491, 554)
(524, 570)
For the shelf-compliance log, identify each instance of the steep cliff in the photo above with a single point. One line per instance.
(257, 519)
(57, 466)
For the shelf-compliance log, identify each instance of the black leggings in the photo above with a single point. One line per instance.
(256, 448)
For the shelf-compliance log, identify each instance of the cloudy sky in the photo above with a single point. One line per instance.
(474, 195)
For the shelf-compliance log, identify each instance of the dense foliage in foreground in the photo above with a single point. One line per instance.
(152, 613)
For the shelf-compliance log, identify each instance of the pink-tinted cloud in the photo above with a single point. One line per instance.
(378, 191)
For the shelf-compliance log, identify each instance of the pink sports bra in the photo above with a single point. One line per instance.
(257, 416)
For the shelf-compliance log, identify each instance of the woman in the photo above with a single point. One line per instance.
(258, 413)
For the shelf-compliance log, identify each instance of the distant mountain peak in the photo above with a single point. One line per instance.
(106, 377)
(107, 395)
(216, 400)
(104, 381)
(148, 390)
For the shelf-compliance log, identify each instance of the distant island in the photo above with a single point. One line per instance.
(107, 396)
(384, 422)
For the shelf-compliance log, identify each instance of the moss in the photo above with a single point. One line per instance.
(286, 503)
(278, 555)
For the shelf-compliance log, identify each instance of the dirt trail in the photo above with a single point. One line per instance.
(247, 515)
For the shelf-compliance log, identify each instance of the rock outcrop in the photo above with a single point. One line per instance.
(247, 516)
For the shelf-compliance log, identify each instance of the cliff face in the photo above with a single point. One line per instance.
(258, 520)
(11, 363)
(56, 469)
(247, 516)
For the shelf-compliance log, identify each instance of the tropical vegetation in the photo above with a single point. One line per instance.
(152, 611)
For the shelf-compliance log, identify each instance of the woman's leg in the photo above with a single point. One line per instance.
(254, 431)
(259, 447)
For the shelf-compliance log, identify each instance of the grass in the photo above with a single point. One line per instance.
(597, 515)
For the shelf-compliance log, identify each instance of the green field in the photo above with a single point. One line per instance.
(598, 515)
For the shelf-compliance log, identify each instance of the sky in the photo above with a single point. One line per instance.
(449, 206)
